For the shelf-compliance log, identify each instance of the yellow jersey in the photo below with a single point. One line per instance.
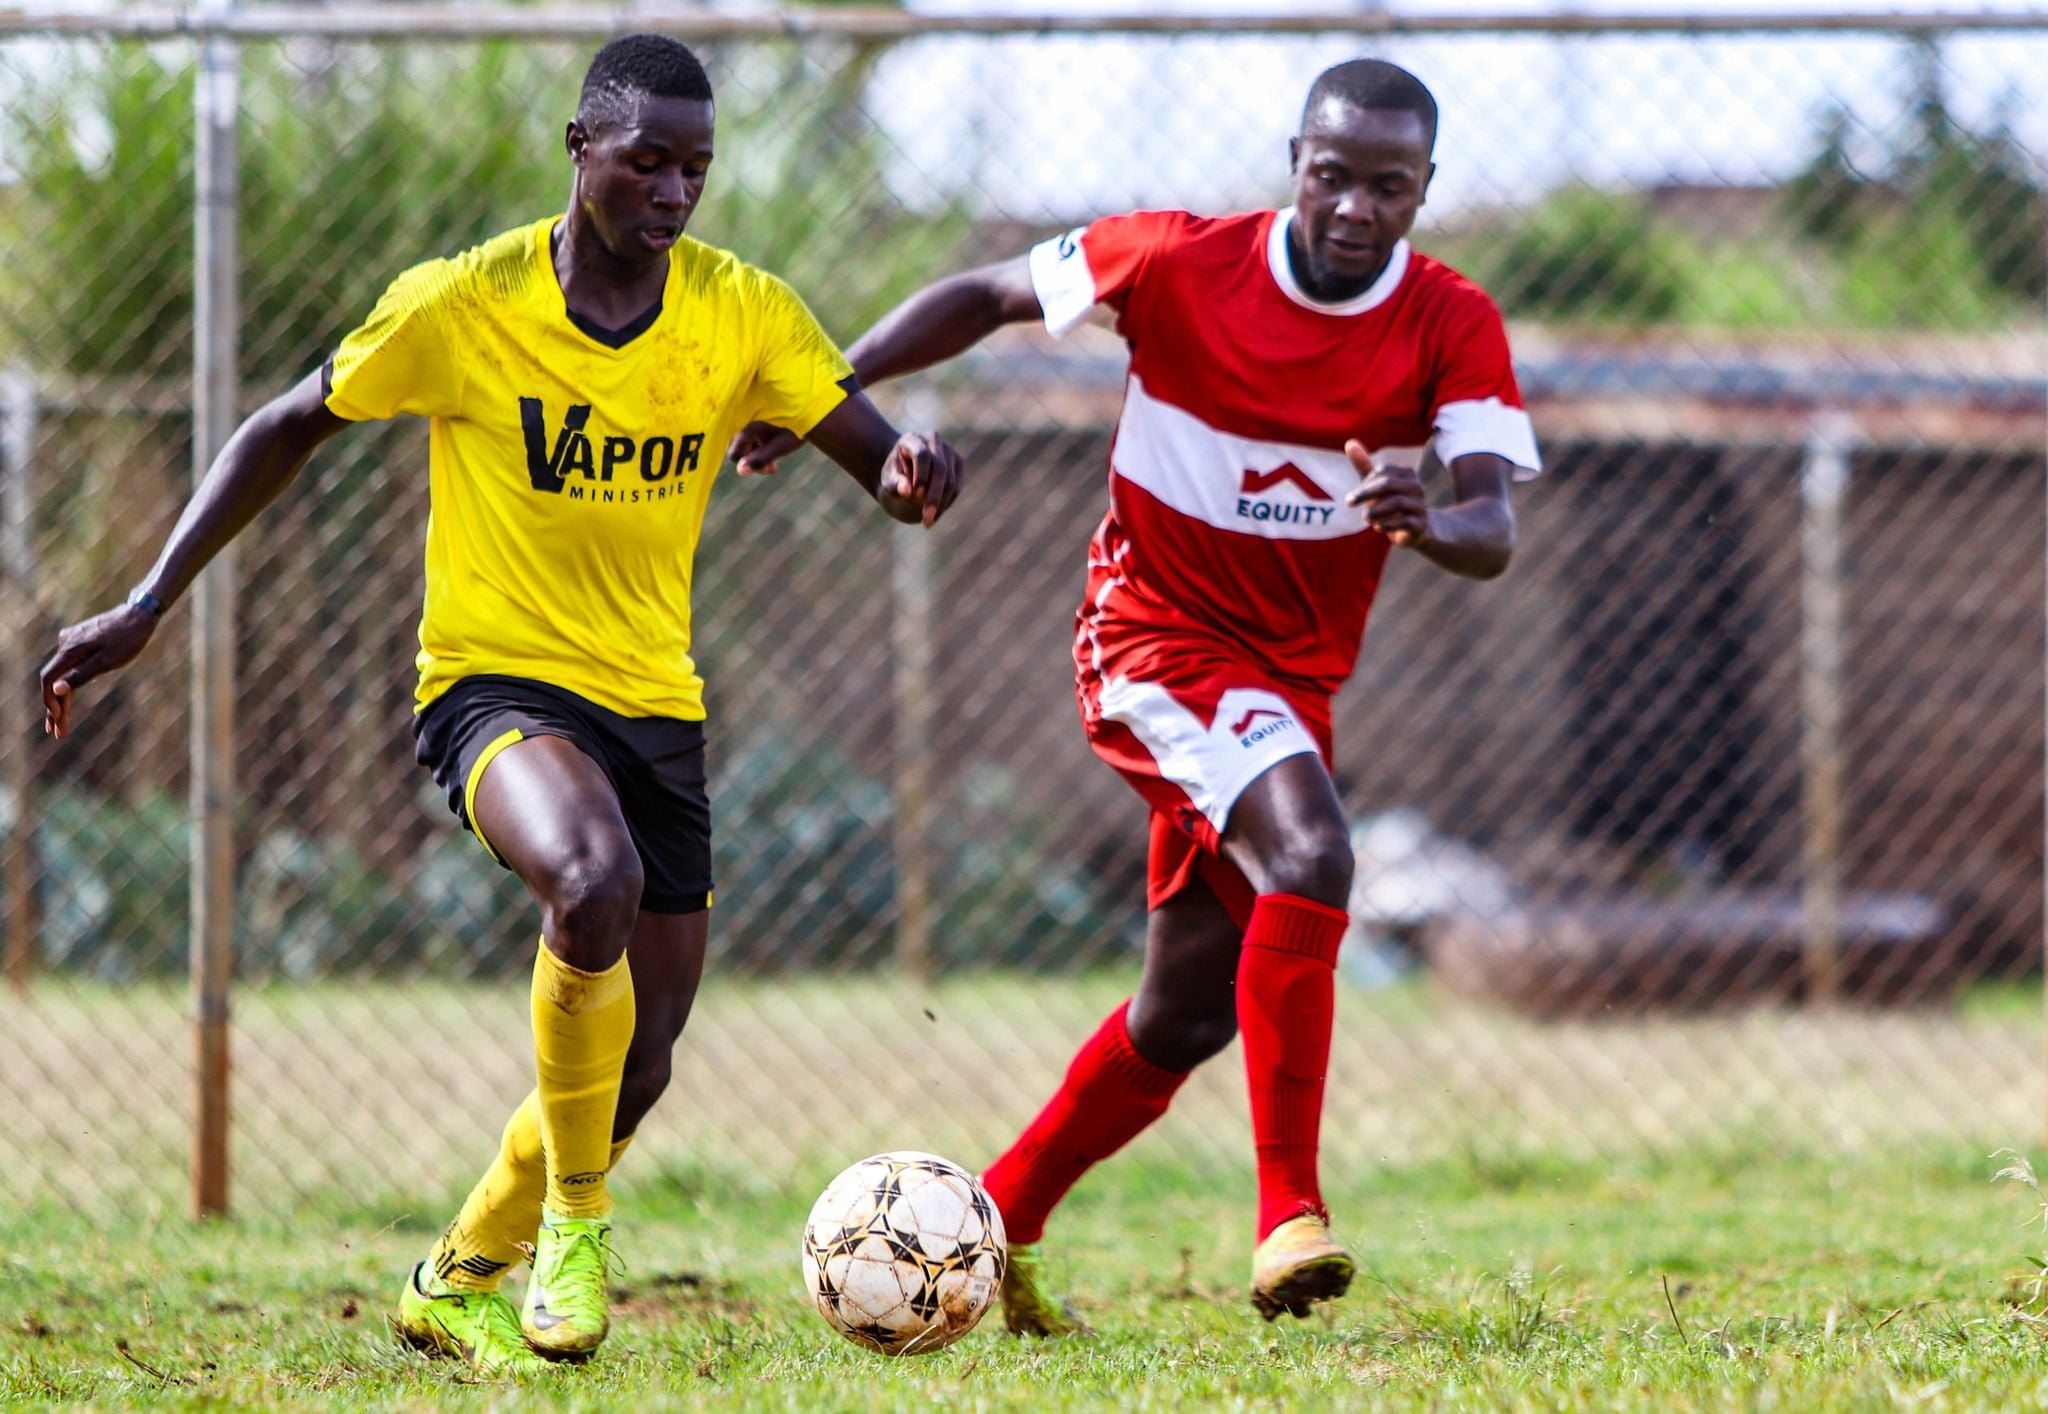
(569, 467)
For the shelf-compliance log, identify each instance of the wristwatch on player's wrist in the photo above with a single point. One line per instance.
(147, 602)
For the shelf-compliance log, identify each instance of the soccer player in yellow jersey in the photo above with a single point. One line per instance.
(582, 375)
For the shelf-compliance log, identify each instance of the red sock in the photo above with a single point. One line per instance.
(1286, 1004)
(1110, 1094)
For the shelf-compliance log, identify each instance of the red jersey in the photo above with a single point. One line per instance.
(1227, 523)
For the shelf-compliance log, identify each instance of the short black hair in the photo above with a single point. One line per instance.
(1374, 84)
(639, 65)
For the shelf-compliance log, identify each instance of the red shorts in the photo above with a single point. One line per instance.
(1190, 738)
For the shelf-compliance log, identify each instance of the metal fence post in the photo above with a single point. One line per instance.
(17, 662)
(912, 627)
(1824, 486)
(214, 344)
(911, 631)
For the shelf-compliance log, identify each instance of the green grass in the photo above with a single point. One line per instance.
(1741, 1277)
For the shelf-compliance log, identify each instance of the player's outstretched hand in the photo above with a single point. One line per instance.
(87, 650)
(1392, 496)
(922, 473)
(758, 448)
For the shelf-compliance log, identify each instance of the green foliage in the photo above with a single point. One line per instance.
(800, 186)
(114, 881)
(1748, 286)
(816, 883)
(814, 887)
(1941, 229)
(314, 908)
(1009, 900)
(98, 276)
(113, 884)
(1588, 256)
(357, 163)
(1920, 271)
(350, 171)
(1825, 200)
(1963, 255)
(361, 169)
(1944, 228)
(1982, 185)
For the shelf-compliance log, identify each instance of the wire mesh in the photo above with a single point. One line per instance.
(1583, 796)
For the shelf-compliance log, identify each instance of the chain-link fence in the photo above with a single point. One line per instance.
(1719, 818)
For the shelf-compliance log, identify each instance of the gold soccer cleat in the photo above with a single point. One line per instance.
(1028, 1308)
(1298, 1265)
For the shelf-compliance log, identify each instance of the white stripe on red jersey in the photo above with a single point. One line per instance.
(1273, 490)
(1228, 475)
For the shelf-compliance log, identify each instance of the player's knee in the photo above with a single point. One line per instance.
(591, 897)
(1202, 1036)
(1315, 864)
(1180, 1037)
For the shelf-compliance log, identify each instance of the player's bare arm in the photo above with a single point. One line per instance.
(941, 321)
(913, 476)
(1474, 536)
(262, 458)
(945, 319)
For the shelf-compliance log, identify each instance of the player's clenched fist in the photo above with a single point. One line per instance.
(98, 645)
(1392, 498)
(758, 448)
(921, 478)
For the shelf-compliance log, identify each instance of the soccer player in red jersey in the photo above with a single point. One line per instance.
(1271, 355)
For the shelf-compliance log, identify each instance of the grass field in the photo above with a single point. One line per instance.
(1809, 1218)
(1749, 1279)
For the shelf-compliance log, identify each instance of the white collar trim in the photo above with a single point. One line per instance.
(1377, 294)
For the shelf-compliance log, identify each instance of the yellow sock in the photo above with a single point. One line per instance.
(498, 1219)
(501, 1214)
(582, 1025)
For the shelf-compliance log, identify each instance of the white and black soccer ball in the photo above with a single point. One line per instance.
(903, 1253)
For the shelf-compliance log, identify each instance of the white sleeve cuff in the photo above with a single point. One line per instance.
(1488, 426)
(1065, 284)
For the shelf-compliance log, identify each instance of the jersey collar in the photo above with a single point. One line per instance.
(1376, 294)
(557, 298)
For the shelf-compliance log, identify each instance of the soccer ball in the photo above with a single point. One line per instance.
(903, 1252)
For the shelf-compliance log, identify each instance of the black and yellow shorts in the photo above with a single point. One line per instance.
(655, 764)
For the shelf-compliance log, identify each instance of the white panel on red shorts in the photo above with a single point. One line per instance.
(1226, 519)
(1213, 758)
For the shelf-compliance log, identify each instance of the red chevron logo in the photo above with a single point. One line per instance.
(1245, 722)
(1256, 482)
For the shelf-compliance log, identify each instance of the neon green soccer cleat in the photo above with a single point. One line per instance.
(1028, 1307)
(1298, 1265)
(566, 1317)
(480, 1328)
